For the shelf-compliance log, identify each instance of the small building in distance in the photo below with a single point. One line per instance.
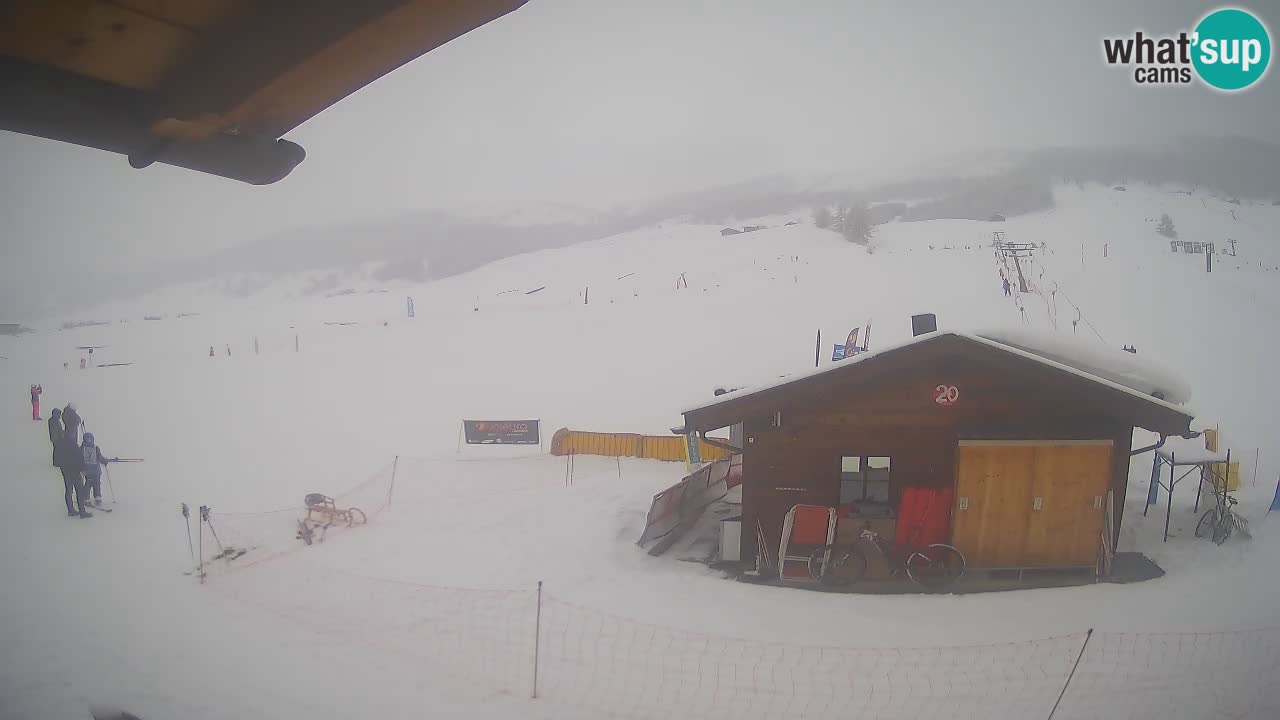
(1016, 453)
(730, 231)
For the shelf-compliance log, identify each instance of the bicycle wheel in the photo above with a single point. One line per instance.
(1204, 527)
(935, 566)
(844, 564)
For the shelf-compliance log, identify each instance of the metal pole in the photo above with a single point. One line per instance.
(817, 348)
(1153, 490)
(1200, 485)
(186, 515)
(1071, 674)
(1226, 475)
(1173, 466)
(537, 638)
(110, 486)
(1256, 454)
(200, 564)
(395, 464)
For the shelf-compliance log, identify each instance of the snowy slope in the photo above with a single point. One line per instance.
(612, 344)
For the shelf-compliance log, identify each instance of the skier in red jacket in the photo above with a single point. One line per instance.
(36, 392)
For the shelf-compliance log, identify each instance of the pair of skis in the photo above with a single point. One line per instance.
(225, 552)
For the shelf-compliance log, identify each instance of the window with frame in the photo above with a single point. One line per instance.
(865, 481)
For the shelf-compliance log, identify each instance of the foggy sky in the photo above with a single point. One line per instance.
(607, 103)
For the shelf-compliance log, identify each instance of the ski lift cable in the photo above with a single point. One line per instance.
(1058, 287)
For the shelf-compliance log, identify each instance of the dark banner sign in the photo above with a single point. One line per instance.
(501, 432)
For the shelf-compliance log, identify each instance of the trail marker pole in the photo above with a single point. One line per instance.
(1072, 674)
(1256, 454)
(537, 638)
(394, 465)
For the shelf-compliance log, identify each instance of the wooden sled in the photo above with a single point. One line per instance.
(322, 514)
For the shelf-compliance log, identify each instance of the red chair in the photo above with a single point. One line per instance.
(804, 529)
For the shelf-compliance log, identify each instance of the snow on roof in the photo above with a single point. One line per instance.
(1062, 353)
(1189, 451)
(1118, 366)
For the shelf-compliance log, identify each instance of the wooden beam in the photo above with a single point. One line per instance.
(285, 61)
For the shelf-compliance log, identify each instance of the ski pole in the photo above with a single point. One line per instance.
(204, 515)
(125, 459)
(110, 485)
(186, 515)
(200, 566)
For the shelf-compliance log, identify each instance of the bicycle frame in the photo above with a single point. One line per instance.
(893, 554)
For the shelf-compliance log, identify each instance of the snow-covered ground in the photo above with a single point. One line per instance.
(430, 609)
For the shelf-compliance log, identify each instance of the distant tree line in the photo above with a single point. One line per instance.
(852, 220)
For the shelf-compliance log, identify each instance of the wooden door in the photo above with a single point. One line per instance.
(1031, 503)
(993, 497)
(1071, 482)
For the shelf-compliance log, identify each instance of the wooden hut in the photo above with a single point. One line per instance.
(1011, 455)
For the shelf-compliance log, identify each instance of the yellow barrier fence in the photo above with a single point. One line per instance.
(652, 447)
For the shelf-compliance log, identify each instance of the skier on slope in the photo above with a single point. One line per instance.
(36, 392)
(1007, 291)
(55, 432)
(92, 459)
(67, 458)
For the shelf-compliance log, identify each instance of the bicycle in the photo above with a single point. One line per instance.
(1219, 521)
(932, 567)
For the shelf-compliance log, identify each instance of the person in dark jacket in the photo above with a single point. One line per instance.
(55, 432)
(67, 457)
(71, 424)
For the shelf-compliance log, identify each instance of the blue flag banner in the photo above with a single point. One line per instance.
(693, 455)
(1275, 503)
(851, 344)
(837, 353)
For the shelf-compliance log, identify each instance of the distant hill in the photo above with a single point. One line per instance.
(435, 245)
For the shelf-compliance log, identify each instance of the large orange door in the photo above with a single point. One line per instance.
(993, 495)
(1031, 503)
(1071, 483)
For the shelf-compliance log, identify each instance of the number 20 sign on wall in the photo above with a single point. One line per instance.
(946, 395)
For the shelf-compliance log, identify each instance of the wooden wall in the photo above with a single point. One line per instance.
(899, 416)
